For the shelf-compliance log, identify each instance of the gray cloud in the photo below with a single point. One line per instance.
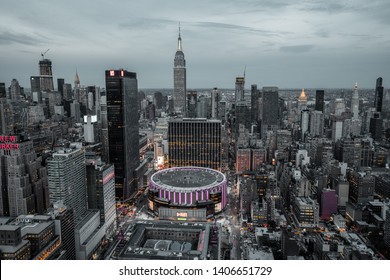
(8, 38)
(296, 49)
(147, 23)
(235, 27)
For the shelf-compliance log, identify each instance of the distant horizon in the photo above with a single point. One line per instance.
(230, 89)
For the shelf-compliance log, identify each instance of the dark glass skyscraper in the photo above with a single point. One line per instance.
(179, 79)
(320, 100)
(379, 94)
(270, 112)
(254, 103)
(123, 128)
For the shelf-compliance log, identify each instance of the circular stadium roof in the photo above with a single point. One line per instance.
(188, 177)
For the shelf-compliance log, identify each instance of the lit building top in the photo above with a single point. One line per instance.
(302, 97)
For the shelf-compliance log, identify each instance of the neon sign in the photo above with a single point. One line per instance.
(181, 214)
(8, 142)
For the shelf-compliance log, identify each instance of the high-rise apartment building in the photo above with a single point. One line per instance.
(67, 180)
(123, 129)
(195, 142)
(179, 79)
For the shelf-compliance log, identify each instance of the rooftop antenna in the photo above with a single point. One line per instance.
(244, 71)
(43, 54)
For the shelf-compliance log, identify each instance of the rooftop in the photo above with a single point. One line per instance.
(35, 228)
(188, 177)
(165, 240)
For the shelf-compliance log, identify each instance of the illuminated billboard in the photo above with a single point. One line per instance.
(8, 142)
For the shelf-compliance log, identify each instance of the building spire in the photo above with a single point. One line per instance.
(179, 46)
(303, 97)
(356, 88)
(77, 79)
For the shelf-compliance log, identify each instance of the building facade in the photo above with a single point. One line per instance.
(195, 142)
(67, 180)
(123, 129)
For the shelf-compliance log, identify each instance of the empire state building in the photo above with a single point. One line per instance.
(179, 79)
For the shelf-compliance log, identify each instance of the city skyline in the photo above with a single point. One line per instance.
(289, 45)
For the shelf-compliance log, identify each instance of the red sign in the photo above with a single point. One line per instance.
(112, 73)
(8, 142)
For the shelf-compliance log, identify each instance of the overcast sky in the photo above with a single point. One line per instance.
(285, 43)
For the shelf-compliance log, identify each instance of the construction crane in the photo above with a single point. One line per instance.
(43, 54)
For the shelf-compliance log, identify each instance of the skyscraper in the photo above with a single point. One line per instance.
(17, 193)
(240, 87)
(379, 94)
(67, 180)
(14, 90)
(355, 103)
(35, 83)
(316, 123)
(270, 114)
(215, 97)
(376, 127)
(63, 216)
(179, 79)
(254, 103)
(123, 129)
(320, 100)
(302, 101)
(195, 142)
(101, 189)
(304, 123)
(192, 101)
(46, 75)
